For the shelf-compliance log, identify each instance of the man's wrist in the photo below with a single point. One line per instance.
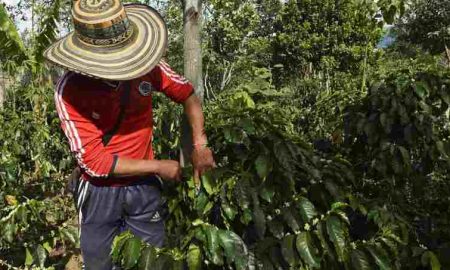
(199, 146)
(200, 141)
(157, 166)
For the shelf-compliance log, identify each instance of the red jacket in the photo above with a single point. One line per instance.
(88, 108)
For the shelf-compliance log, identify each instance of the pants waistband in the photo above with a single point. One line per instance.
(125, 181)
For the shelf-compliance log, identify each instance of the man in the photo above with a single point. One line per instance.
(104, 102)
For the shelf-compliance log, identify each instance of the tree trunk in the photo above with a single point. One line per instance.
(447, 51)
(193, 45)
(192, 64)
(2, 88)
(1, 96)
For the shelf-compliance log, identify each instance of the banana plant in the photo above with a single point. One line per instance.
(14, 53)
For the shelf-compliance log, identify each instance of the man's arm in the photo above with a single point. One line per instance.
(194, 113)
(202, 158)
(180, 90)
(167, 169)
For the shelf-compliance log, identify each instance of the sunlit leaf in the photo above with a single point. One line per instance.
(213, 249)
(306, 250)
(28, 257)
(234, 248)
(194, 257)
(307, 209)
(131, 252)
(207, 183)
(118, 244)
(40, 255)
(338, 235)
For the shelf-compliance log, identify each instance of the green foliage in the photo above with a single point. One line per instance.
(374, 197)
(14, 55)
(427, 23)
(283, 217)
(330, 35)
(12, 48)
(295, 39)
(48, 31)
(36, 220)
(399, 144)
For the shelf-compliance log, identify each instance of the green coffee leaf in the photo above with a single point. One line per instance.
(290, 219)
(323, 238)
(131, 252)
(229, 211)
(47, 247)
(258, 217)
(206, 182)
(430, 259)
(262, 165)
(266, 194)
(28, 257)
(228, 245)
(235, 249)
(338, 235)
(147, 259)
(241, 192)
(360, 261)
(380, 259)
(9, 232)
(421, 89)
(178, 265)
(276, 228)
(307, 209)
(390, 244)
(40, 256)
(306, 250)
(405, 156)
(213, 249)
(70, 234)
(200, 202)
(118, 244)
(288, 250)
(163, 262)
(194, 257)
(247, 216)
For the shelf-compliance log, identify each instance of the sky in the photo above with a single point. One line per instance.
(21, 24)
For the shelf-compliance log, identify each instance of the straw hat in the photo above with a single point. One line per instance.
(111, 41)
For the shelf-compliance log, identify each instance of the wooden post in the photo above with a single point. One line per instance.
(192, 66)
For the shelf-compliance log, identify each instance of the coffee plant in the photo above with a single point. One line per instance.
(274, 203)
(398, 141)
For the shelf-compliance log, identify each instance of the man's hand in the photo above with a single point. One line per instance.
(169, 170)
(202, 160)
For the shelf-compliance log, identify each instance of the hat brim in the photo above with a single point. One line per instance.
(125, 61)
